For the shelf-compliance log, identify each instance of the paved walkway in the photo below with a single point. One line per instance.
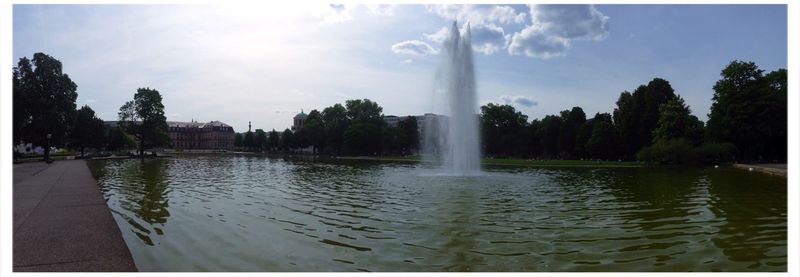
(62, 222)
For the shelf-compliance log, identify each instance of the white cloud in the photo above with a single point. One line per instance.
(536, 44)
(488, 38)
(413, 48)
(518, 100)
(554, 26)
(439, 36)
(478, 14)
(337, 13)
(570, 21)
(381, 9)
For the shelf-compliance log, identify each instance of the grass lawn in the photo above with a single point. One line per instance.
(515, 162)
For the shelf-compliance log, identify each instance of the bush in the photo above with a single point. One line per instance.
(715, 153)
(681, 151)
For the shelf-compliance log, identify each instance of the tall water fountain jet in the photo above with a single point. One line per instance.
(456, 83)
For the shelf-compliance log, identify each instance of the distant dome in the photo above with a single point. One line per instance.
(301, 115)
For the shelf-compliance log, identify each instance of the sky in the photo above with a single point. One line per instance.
(264, 64)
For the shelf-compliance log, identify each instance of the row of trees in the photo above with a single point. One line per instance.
(652, 123)
(45, 113)
(355, 128)
(748, 121)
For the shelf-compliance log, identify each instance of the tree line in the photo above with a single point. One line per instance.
(747, 122)
(45, 113)
(355, 128)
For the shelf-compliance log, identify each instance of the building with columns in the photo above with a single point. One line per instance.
(213, 135)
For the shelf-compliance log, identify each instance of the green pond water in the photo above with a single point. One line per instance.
(247, 213)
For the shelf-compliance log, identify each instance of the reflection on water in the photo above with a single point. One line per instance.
(236, 213)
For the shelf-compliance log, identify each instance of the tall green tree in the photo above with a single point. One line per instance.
(260, 140)
(314, 128)
(364, 111)
(410, 138)
(249, 140)
(549, 131)
(585, 133)
(365, 126)
(676, 121)
(44, 102)
(274, 140)
(143, 117)
(637, 114)
(604, 142)
(117, 139)
(534, 138)
(503, 130)
(749, 110)
(87, 130)
(573, 120)
(287, 140)
(392, 140)
(336, 122)
(238, 140)
(362, 139)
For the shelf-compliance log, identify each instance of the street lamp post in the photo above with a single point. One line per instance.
(47, 149)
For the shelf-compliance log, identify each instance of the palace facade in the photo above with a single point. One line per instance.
(213, 135)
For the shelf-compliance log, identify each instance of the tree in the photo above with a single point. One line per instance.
(676, 121)
(534, 138)
(410, 134)
(238, 140)
(777, 113)
(573, 120)
(503, 128)
(364, 111)
(88, 130)
(118, 139)
(314, 128)
(336, 122)
(749, 110)
(392, 140)
(287, 140)
(368, 117)
(637, 114)
(274, 140)
(604, 142)
(249, 140)
(362, 139)
(548, 131)
(44, 102)
(585, 133)
(260, 140)
(143, 117)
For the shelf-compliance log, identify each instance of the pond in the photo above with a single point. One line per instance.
(249, 213)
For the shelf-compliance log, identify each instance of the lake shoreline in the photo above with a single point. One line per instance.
(513, 162)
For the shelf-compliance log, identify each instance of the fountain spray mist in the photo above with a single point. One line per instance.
(460, 145)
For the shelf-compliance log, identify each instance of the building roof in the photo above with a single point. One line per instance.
(197, 124)
(301, 115)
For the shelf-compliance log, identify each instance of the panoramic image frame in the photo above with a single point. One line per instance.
(359, 137)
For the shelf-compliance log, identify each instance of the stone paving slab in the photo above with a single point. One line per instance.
(62, 222)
